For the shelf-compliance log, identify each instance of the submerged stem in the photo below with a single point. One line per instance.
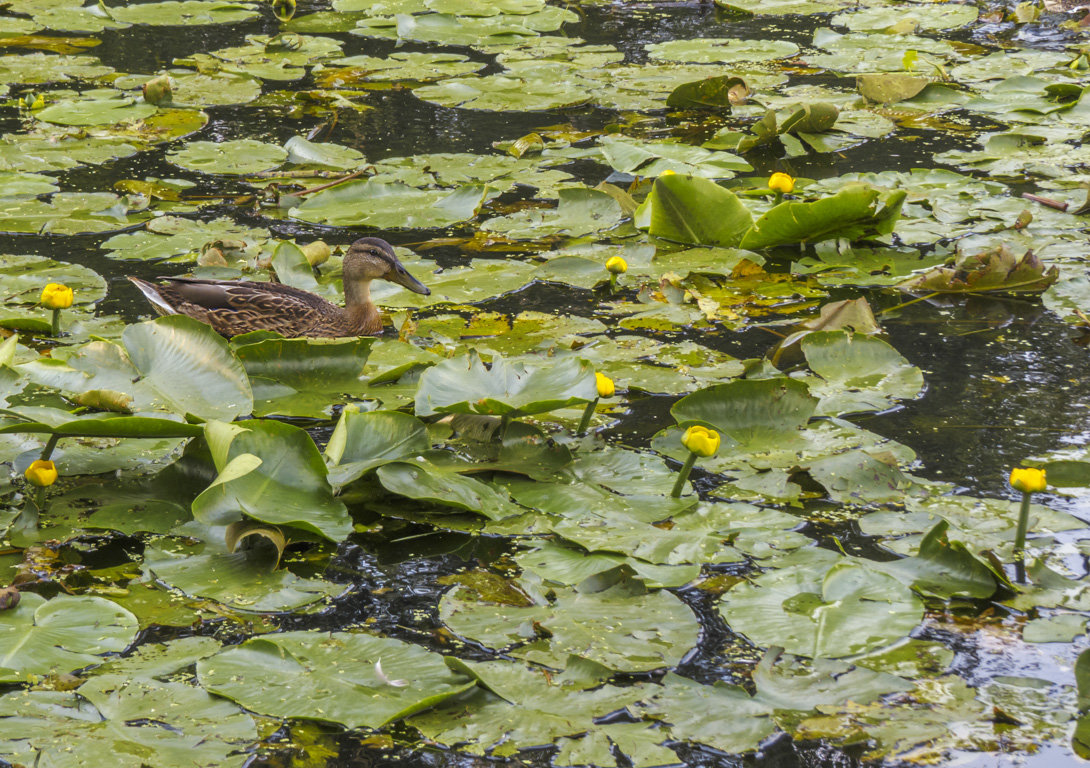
(683, 475)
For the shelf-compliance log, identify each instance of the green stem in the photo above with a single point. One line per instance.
(587, 413)
(1020, 541)
(56, 322)
(39, 498)
(50, 444)
(504, 421)
(683, 475)
(778, 199)
(612, 283)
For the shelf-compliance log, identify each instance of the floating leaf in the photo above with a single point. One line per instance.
(331, 677)
(43, 637)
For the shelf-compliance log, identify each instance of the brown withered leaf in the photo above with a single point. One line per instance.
(996, 270)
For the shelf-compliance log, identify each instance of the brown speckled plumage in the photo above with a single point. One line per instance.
(233, 307)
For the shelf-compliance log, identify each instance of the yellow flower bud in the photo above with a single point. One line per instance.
(1028, 480)
(56, 296)
(158, 91)
(41, 473)
(605, 384)
(781, 183)
(668, 172)
(616, 265)
(701, 440)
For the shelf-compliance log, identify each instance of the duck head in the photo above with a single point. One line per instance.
(372, 258)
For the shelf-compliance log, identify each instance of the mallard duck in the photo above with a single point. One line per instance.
(232, 307)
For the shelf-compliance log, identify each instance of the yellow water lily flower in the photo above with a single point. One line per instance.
(781, 183)
(701, 440)
(668, 172)
(56, 296)
(606, 387)
(41, 473)
(1028, 480)
(616, 265)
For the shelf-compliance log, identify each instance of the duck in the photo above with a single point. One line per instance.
(234, 307)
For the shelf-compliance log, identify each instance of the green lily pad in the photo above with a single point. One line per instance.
(184, 12)
(859, 372)
(694, 211)
(508, 389)
(581, 211)
(353, 679)
(246, 580)
(70, 213)
(721, 50)
(372, 203)
(109, 107)
(364, 441)
(621, 628)
(649, 158)
(25, 276)
(130, 723)
(42, 637)
(822, 612)
(271, 472)
(238, 157)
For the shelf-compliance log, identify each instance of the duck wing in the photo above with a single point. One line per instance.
(232, 307)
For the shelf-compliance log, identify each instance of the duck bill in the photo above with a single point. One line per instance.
(408, 281)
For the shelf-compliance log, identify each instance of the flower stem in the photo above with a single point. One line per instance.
(683, 475)
(612, 283)
(56, 322)
(50, 444)
(587, 413)
(778, 199)
(1020, 541)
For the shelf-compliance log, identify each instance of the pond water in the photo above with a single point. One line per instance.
(788, 610)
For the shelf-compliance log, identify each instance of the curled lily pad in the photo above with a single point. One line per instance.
(271, 472)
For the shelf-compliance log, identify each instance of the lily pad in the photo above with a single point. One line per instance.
(822, 612)
(372, 203)
(353, 679)
(508, 389)
(42, 637)
(271, 472)
(238, 157)
(130, 723)
(621, 628)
